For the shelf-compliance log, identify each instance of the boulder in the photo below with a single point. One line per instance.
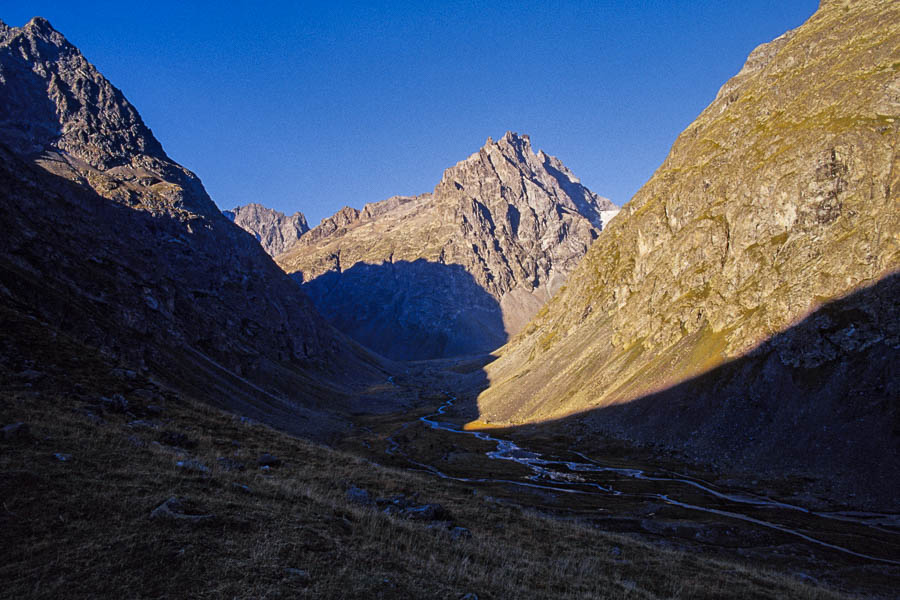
(175, 509)
(18, 432)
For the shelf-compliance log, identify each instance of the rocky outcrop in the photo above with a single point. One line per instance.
(457, 270)
(275, 231)
(780, 199)
(109, 241)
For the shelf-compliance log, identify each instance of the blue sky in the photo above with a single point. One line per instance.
(313, 106)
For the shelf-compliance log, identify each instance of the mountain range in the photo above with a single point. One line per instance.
(458, 270)
(738, 320)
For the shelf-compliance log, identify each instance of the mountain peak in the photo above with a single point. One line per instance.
(275, 231)
(52, 100)
(66, 105)
(39, 25)
(456, 271)
(510, 138)
(512, 160)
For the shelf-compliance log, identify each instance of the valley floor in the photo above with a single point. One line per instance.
(86, 510)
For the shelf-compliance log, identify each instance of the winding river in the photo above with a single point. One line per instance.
(574, 477)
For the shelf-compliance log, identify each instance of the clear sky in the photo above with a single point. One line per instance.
(313, 106)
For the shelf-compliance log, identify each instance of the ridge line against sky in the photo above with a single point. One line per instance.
(313, 107)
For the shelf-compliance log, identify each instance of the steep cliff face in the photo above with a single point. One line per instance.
(780, 197)
(275, 231)
(105, 238)
(460, 268)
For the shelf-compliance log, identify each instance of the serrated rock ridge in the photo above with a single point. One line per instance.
(515, 222)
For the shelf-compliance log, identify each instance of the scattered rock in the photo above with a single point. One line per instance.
(442, 526)
(175, 438)
(229, 464)
(116, 404)
(62, 457)
(297, 575)
(30, 375)
(154, 410)
(615, 551)
(18, 432)
(469, 596)
(406, 508)
(142, 424)
(191, 464)
(175, 509)
(145, 394)
(805, 577)
(124, 374)
(93, 417)
(136, 441)
(241, 487)
(181, 452)
(359, 496)
(460, 533)
(424, 512)
(267, 460)
(340, 521)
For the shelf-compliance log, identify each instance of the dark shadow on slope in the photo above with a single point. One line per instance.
(410, 310)
(820, 399)
(196, 304)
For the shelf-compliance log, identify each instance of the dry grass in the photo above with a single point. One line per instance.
(81, 528)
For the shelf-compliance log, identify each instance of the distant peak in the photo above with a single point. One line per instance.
(39, 25)
(520, 144)
(510, 138)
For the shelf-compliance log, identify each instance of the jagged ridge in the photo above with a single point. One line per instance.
(463, 266)
(275, 231)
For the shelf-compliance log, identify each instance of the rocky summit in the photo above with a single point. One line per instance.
(460, 269)
(275, 231)
(108, 240)
(743, 307)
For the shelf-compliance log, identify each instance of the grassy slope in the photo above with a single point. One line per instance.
(748, 225)
(80, 528)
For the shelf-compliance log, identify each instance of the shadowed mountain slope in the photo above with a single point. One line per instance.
(275, 231)
(516, 222)
(780, 197)
(107, 239)
(425, 297)
(836, 425)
